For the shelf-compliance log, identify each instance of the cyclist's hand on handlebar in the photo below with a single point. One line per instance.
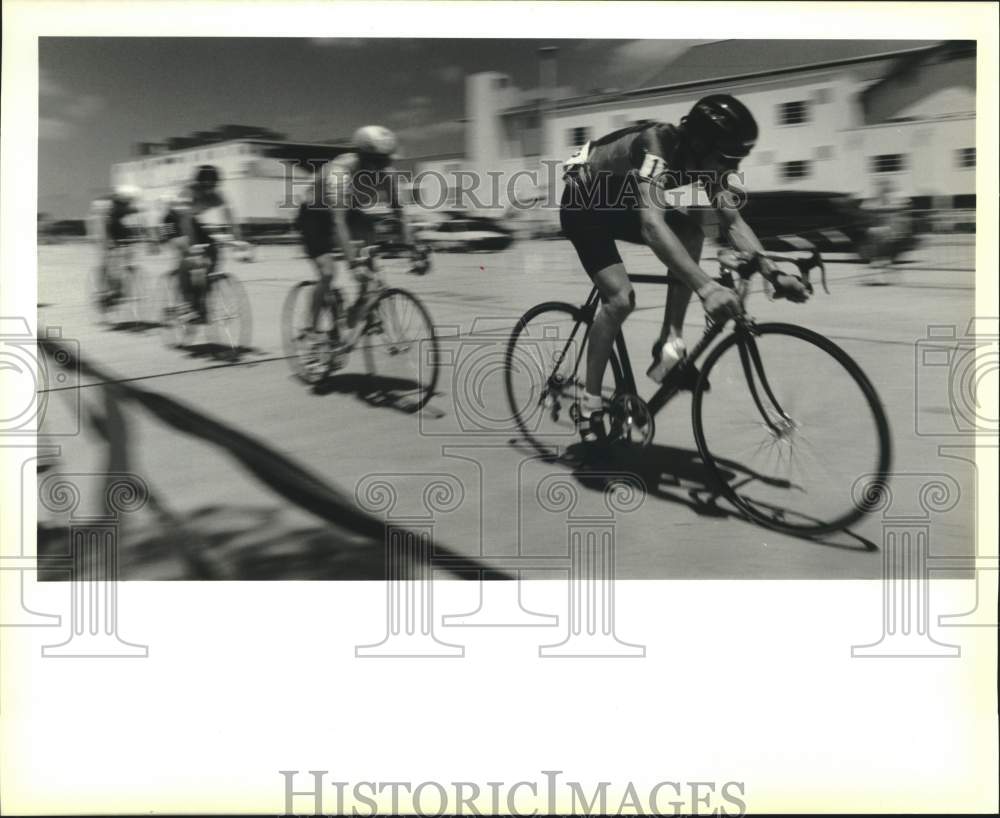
(789, 287)
(719, 302)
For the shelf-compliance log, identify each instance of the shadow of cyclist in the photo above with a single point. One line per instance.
(679, 476)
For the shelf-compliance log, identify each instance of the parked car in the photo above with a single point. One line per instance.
(466, 234)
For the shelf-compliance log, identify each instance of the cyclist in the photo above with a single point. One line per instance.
(116, 222)
(335, 216)
(185, 231)
(615, 190)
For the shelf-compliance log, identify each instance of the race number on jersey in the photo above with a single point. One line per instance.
(578, 158)
(652, 167)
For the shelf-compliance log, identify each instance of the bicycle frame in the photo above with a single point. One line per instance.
(753, 366)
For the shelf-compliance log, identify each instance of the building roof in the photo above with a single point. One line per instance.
(708, 62)
(719, 61)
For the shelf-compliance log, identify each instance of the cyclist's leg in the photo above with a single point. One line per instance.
(212, 256)
(326, 275)
(619, 301)
(592, 237)
(689, 231)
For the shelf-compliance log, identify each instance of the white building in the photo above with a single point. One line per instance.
(833, 115)
(258, 175)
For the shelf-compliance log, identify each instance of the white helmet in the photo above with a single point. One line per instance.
(375, 140)
(127, 192)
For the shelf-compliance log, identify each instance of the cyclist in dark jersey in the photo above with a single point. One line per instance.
(117, 222)
(618, 189)
(334, 217)
(184, 229)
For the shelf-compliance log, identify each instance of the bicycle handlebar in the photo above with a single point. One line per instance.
(746, 264)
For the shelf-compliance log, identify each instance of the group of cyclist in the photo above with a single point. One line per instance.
(614, 191)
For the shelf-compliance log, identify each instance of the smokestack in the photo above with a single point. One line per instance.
(547, 82)
(547, 71)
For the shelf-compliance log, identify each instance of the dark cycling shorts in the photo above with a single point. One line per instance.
(172, 229)
(593, 230)
(315, 224)
(118, 231)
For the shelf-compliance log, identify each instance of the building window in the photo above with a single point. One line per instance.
(578, 136)
(888, 163)
(799, 169)
(966, 157)
(793, 113)
(964, 201)
(824, 152)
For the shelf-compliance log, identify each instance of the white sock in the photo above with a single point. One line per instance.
(592, 403)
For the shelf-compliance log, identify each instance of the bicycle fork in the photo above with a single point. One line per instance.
(778, 421)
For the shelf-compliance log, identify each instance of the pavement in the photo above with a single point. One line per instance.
(481, 490)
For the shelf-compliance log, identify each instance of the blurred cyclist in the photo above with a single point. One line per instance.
(335, 218)
(615, 190)
(117, 221)
(197, 251)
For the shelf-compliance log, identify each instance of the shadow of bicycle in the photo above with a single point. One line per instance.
(680, 477)
(381, 391)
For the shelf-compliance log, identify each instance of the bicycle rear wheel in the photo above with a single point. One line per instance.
(545, 368)
(788, 424)
(229, 326)
(401, 351)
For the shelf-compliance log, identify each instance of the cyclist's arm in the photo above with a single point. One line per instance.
(343, 235)
(664, 242)
(338, 194)
(740, 235)
(187, 237)
(395, 202)
(231, 224)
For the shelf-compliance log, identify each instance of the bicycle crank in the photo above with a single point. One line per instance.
(631, 421)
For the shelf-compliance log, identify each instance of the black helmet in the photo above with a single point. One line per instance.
(720, 123)
(207, 175)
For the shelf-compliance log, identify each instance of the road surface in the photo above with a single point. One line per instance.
(212, 519)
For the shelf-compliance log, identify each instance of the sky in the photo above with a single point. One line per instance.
(98, 96)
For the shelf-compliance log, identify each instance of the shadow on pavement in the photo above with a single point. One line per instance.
(375, 390)
(218, 542)
(679, 476)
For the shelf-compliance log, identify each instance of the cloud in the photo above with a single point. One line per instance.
(48, 87)
(61, 112)
(85, 106)
(414, 112)
(449, 73)
(341, 42)
(434, 137)
(54, 130)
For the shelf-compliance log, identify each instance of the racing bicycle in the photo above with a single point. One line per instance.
(226, 315)
(390, 324)
(122, 298)
(789, 427)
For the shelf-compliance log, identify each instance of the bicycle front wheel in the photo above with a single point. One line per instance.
(791, 429)
(309, 364)
(171, 307)
(228, 316)
(401, 351)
